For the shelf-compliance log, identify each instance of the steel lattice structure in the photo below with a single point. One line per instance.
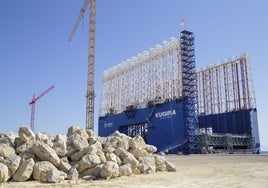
(151, 75)
(226, 87)
(189, 89)
(157, 74)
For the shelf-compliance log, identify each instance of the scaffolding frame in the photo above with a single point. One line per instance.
(189, 90)
(151, 75)
(225, 87)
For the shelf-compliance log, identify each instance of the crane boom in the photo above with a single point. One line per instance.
(41, 95)
(90, 95)
(81, 14)
(32, 104)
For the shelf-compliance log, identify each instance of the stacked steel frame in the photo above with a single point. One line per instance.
(221, 97)
(189, 89)
(226, 87)
(151, 75)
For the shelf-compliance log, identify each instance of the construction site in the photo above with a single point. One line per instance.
(161, 95)
(158, 113)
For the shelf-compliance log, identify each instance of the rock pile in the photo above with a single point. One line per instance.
(79, 154)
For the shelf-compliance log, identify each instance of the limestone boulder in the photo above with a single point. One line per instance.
(160, 163)
(72, 130)
(26, 134)
(18, 142)
(43, 137)
(125, 170)
(9, 138)
(12, 162)
(55, 176)
(139, 152)
(72, 174)
(124, 154)
(25, 147)
(41, 169)
(109, 170)
(27, 155)
(150, 149)
(7, 141)
(101, 156)
(136, 142)
(24, 171)
(2, 159)
(111, 157)
(112, 141)
(46, 153)
(60, 146)
(147, 164)
(93, 173)
(132, 161)
(78, 142)
(6, 150)
(4, 173)
(109, 150)
(88, 161)
(79, 154)
(170, 166)
(64, 166)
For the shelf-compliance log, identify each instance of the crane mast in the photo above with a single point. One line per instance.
(32, 104)
(90, 94)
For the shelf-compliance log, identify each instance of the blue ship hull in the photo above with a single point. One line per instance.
(162, 124)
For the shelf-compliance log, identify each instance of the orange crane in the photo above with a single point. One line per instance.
(32, 104)
(90, 95)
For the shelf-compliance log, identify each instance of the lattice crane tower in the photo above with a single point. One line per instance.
(91, 59)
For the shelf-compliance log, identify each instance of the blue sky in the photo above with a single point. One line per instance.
(35, 52)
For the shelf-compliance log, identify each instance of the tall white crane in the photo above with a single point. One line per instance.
(90, 95)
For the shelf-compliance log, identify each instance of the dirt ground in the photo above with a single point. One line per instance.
(192, 171)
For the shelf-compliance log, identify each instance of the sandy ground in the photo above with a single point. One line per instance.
(192, 171)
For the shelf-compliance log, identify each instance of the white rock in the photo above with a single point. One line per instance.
(12, 162)
(10, 138)
(160, 163)
(136, 142)
(170, 167)
(6, 150)
(125, 170)
(134, 163)
(109, 170)
(101, 156)
(4, 173)
(88, 161)
(93, 172)
(147, 164)
(7, 141)
(72, 130)
(24, 171)
(72, 174)
(26, 134)
(150, 149)
(64, 166)
(111, 157)
(139, 152)
(60, 145)
(79, 142)
(43, 137)
(55, 176)
(46, 153)
(25, 147)
(41, 169)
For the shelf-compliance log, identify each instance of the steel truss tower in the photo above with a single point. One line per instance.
(189, 90)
